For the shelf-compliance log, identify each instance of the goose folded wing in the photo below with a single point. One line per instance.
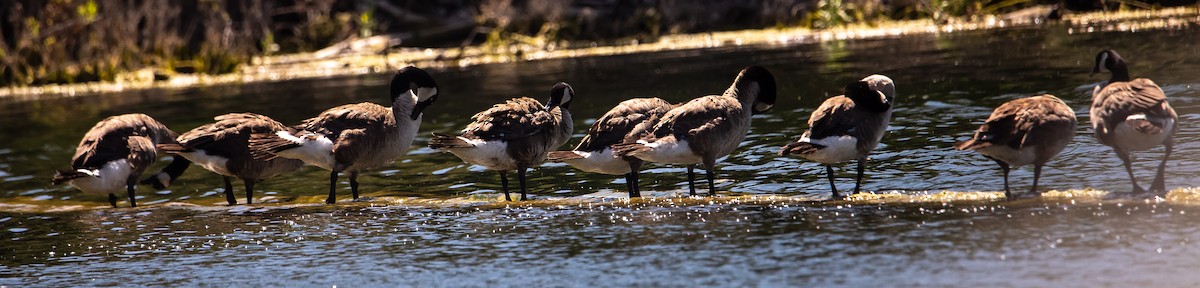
(514, 119)
(835, 117)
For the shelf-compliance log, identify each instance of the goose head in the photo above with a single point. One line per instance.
(416, 81)
(1109, 60)
(560, 95)
(755, 81)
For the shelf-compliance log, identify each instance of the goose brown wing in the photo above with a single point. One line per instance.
(622, 121)
(698, 118)
(1046, 113)
(108, 139)
(332, 122)
(835, 117)
(236, 127)
(513, 119)
(1118, 100)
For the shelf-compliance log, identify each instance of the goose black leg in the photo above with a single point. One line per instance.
(712, 189)
(112, 199)
(1004, 169)
(1159, 186)
(521, 177)
(1037, 173)
(862, 163)
(249, 183)
(354, 184)
(1129, 169)
(692, 179)
(634, 166)
(629, 184)
(832, 186)
(129, 189)
(229, 191)
(332, 188)
(504, 184)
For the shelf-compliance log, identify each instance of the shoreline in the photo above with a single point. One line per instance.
(1186, 196)
(330, 62)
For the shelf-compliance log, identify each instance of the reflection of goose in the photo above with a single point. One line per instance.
(847, 127)
(629, 121)
(223, 148)
(706, 128)
(355, 137)
(1132, 115)
(514, 135)
(115, 152)
(1024, 131)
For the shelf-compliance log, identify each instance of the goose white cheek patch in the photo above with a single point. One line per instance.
(1103, 60)
(423, 93)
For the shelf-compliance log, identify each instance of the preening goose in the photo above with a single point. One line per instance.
(628, 121)
(847, 127)
(1025, 131)
(706, 128)
(1132, 115)
(514, 135)
(115, 152)
(356, 137)
(223, 147)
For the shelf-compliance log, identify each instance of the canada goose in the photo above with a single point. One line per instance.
(514, 135)
(706, 128)
(223, 148)
(356, 137)
(1132, 115)
(1025, 131)
(115, 152)
(628, 121)
(847, 127)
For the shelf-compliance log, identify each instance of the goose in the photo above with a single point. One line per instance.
(223, 147)
(628, 121)
(115, 152)
(1132, 115)
(1025, 131)
(707, 128)
(355, 137)
(514, 135)
(847, 127)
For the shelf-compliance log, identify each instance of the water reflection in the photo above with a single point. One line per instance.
(947, 83)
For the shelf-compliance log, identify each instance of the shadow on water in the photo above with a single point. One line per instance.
(447, 229)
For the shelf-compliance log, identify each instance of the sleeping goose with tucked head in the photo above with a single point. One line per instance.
(223, 147)
(847, 127)
(706, 128)
(356, 137)
(514, 135)
(1025, 131)
(115, 152)
(628, 121)
(1132, 115)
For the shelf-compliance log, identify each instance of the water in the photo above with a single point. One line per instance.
(436, 221)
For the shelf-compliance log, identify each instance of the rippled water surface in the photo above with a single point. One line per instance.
(437, 221)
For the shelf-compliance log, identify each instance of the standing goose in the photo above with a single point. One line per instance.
(1132, 115)
(847, 127)
(706, 128)
(629, 121)
(356, 137)
(1025, 131)
(223, 148)
(115, 152)
(514, 135)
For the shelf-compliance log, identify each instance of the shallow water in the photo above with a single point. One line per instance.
(435, 221)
